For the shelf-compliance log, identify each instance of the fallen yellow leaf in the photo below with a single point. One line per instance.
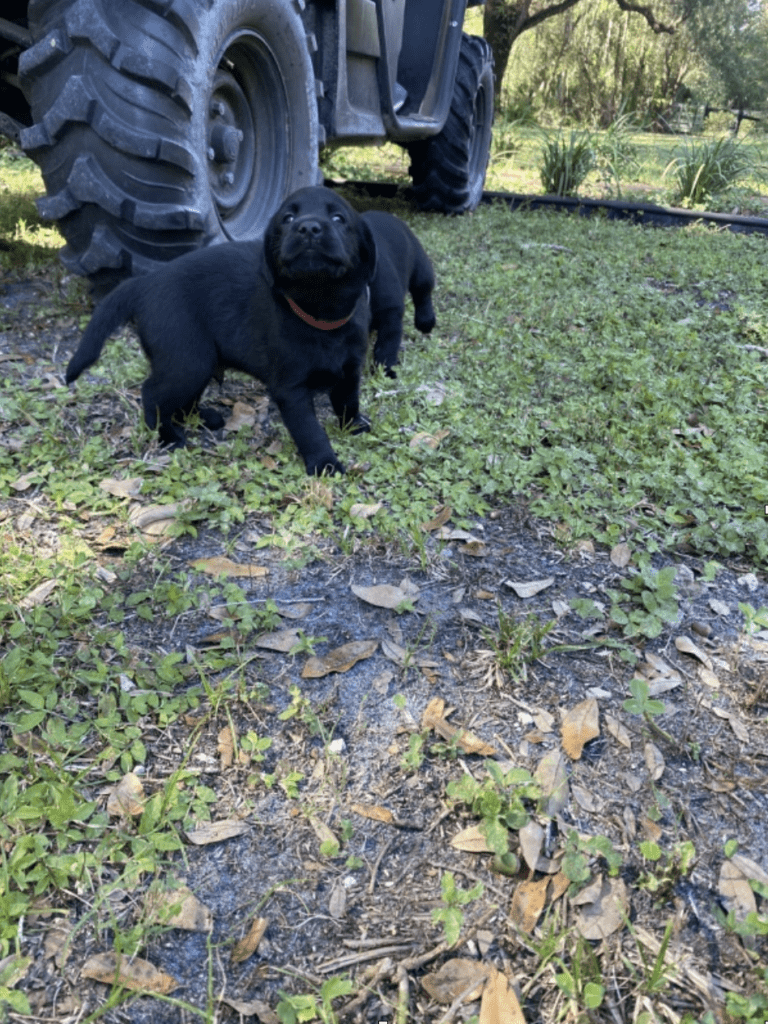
(580, 725)
(221, 566)
(342, 659)
(135, 974)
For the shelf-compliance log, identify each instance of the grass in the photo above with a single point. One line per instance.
(611, 377)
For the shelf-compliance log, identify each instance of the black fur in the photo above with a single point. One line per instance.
(402, 266)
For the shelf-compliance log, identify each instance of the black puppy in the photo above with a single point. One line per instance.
(292, 311)
(402, 266)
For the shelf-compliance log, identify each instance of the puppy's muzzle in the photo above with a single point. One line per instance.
(308, 228)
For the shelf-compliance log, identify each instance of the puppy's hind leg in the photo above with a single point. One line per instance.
(421, 284)
(167, 403)
(345, 399)
(388, 324)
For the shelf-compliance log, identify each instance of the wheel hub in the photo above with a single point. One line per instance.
(230, 142)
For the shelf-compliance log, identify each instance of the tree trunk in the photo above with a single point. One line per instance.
(502, 24)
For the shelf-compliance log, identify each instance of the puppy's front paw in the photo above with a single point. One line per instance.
(327, 466)
(360, 424)
(425, 320)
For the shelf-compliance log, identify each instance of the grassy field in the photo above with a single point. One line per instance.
(626, 366)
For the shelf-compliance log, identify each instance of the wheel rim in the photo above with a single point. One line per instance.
(246, 135)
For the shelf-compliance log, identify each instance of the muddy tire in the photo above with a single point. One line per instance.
(448, 170)
(164, 125)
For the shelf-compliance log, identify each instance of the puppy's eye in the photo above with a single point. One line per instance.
(288, 218)
(339, 218)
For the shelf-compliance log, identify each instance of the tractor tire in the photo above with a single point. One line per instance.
(448, 170)
(164, 125)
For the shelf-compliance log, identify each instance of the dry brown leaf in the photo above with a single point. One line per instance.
(560, 884)
(249, 943)
(136, 974)
(218, 565)
(385, 595)
(129, 488)
(655, 663)
(363, 511)
(471, 840)
(530, 588)
(242, 415)
(337, 904)
(685, 645)
(454, 977)
(57, 944)
(422, 439)
(13, 968)
(296, 610)
(454, 533)
(374, 812)
(735, 890)
(475, 548)
(39, 595)
(226, 747)
(750, 868)
(216, 831)
(580, 725)
(620, 555)
(585, 799)
(342, 659)
(708, 677)
(127, 797)
(155, 518)
(607, 911)
(739, 728)
(252, 1008)
(499, 1004)
(531, 841)
(24, 482)
(552, 775)
(393, 651)
(545, 721)
(179, 909)
(618, 731)
(434, 710)
(651, 830)
(442, 514)
(467, 740)
(662, 684)
(321, 830)
(528, 902)
(654, 760)
(284, 640)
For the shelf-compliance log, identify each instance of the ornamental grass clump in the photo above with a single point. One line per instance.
(704, 170)
(566, 162)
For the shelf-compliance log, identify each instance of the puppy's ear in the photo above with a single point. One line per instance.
(369, 256)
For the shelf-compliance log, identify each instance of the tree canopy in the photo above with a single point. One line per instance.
(597, 57)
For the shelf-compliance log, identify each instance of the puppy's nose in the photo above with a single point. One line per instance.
(310, 227)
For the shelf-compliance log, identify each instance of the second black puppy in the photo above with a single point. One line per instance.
(402, 266)
(292, 311)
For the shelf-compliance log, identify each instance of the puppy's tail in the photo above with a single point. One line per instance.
(111, 312)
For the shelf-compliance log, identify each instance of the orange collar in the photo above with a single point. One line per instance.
(323, 325)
